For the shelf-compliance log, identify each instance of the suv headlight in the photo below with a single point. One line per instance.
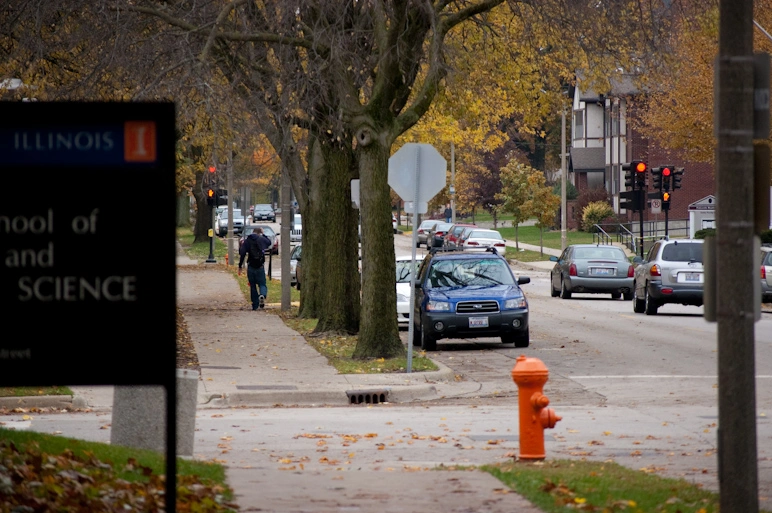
(512, 304)
(438, 306)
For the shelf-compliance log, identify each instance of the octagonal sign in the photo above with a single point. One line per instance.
(417, 161)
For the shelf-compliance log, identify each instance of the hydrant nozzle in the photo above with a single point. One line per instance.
(530, 375)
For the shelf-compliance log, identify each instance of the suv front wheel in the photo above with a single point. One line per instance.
(518, 339)
(651, 304)
(639, 305)
(428, 342)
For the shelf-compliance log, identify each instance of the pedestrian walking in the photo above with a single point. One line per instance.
(253, 249)
(448, 213)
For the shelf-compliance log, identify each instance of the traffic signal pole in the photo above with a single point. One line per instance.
(735, 272)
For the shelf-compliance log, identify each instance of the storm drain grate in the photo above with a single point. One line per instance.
(367, 396)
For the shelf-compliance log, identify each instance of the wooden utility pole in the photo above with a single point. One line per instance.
(738, 472)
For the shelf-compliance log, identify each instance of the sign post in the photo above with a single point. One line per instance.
(74, 275)
(417, 172)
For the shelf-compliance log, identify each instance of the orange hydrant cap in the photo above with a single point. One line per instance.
(529, 367)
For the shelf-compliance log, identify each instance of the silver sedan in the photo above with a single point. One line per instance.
(593, 269)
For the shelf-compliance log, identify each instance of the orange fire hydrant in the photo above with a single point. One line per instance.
(530, 375)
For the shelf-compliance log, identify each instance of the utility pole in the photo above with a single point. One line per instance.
(563, 181)
(735, 272)
(453, 182)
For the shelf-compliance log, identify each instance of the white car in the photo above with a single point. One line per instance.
(766, 274)
(480, 240)
(296, 233)
(403, 289)
(222, 222)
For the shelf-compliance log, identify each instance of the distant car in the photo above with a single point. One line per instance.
(423, 231)
(296, 233)
(436, 237)
(766, 274)
(264, 212)
(478, 239)
(267, 230)
(593, 269)
(671, 273)
(469, 295)
(394, 223)
(454, 232)
(222, 222)
(294, 261)
(403, 288)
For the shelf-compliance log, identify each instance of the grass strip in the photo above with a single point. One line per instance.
(339, 350)
(33, 391)
(562, 486)
(64, 472)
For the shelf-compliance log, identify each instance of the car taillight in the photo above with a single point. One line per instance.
(473, 243)
(499, 245)
(763, 273)
(572, 270)
(630, 272)
(654, 271)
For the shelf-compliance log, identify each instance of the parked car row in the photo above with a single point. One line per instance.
(671, 273)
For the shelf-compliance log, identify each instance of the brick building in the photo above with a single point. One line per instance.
(603, 139)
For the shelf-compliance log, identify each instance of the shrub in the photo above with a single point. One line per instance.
(586, 197)
(766, 237)
(701, 234)
(594, 213)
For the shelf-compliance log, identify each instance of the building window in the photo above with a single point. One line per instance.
(578, 124)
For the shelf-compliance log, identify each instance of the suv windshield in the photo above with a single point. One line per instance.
(682, 252)
(485, 272)
(403, 270)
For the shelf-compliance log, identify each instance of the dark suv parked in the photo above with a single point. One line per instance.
(469, 295)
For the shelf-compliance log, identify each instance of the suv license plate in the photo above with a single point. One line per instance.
(690, 277)
(478, 322)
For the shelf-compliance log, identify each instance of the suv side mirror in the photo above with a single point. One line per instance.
(522, 280)
(637, 260)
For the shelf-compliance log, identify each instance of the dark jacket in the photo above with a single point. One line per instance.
(263, 243)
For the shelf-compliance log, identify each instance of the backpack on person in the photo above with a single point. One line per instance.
(256, 254)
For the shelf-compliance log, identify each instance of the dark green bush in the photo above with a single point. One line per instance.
(701, 234)
(766, 237)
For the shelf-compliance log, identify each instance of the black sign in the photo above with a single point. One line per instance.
(87, 220)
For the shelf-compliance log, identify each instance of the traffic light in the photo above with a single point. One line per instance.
(211, 196)
(630, 200)
(677, 176)
(629, 178)
(640, 173)
(667, 176)
(656, 174)
(666, 200)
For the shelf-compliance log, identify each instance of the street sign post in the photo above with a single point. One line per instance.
(417, 172)
(656, 206)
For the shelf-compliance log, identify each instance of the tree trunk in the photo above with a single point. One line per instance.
(203, 212)
(517, 241)
(541, 240)
(378, 331)
(183, 209)
(336, 225)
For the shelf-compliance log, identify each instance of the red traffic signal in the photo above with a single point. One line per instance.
(640, 167)
(666, 171)
(212, 169)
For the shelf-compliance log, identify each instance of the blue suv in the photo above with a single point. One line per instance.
(469, 295)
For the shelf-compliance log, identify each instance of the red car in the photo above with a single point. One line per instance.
(455, 231)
